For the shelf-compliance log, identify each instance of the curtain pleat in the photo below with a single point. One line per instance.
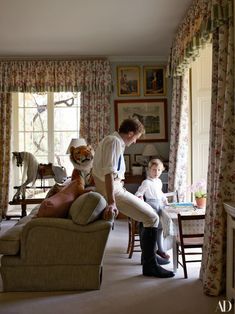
(179, 136)
(5, 140)
(95, 117)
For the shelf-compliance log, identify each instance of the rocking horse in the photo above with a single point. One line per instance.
(33, 170)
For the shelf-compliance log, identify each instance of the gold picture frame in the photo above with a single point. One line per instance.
(151, 112)
(155, 81)
(128, 81)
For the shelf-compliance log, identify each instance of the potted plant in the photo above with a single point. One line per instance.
(199, 190)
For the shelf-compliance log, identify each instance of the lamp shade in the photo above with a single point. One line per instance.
(150, 151)
(76, 142)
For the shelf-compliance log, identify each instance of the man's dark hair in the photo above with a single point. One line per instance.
(131, 125)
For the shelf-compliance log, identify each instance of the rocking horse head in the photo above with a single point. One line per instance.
(19, 159)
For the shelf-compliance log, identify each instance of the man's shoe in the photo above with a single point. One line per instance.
(153, 270)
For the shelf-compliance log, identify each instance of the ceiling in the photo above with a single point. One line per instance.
(89, 27)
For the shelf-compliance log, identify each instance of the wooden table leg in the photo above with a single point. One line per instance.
(23, 210)
(174, 255)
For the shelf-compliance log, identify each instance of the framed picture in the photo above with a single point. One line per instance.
(154, 81)
(127, 159)
(128, 81)
(140, 159)
(152, 113)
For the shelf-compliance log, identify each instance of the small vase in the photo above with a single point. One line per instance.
(201, 202)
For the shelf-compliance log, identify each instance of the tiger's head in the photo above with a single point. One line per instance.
(82, 157)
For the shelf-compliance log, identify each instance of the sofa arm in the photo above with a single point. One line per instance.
(60, 241)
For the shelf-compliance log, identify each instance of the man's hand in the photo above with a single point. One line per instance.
(110, 212)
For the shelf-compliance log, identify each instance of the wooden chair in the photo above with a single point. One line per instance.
(187, 240)
(133, 229)
(172, 196)
(134, 238)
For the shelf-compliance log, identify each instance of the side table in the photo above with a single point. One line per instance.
(23, 203)
(230, 273)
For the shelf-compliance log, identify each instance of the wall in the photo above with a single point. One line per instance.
(162, 147)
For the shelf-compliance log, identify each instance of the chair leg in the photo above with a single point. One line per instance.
(184, 263)
(132, 242)
(129, 236)
(177, 255)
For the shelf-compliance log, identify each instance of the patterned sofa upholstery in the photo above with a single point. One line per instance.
(55, 254)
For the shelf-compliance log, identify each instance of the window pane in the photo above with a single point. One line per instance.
(66, 111)
(65, 119)
(62, 141)
(33, 120)
(68, 99)
(35, 143)
(38, 100)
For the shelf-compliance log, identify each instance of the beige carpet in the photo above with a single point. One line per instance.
(124, 290)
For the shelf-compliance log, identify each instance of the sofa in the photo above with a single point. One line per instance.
(56, 254)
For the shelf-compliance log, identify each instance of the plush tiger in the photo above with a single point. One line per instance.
(82, 160)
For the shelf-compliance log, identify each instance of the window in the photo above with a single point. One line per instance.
(45, 123)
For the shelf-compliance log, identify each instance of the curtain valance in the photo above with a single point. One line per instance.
(202, 18)
(92, 75)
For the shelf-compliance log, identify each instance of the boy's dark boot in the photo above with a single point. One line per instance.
(160, 260)
(150, 265)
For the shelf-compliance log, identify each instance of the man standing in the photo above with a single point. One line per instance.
(108, 172)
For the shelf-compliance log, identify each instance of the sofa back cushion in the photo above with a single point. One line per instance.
(58, 205)
(87, 208)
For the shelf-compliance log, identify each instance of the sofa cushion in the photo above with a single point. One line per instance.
(59, 204)
(87, 208)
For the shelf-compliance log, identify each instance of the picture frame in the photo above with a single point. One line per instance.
(127, 158)
(140, 159)
(154, 81)
(151, 112)
(128, 81)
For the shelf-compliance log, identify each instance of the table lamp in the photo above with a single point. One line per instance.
(150, 151)
(76, 142)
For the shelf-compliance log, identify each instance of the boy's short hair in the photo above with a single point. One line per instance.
(156, 162)
(131, 125)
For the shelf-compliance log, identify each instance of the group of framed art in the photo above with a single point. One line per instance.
(151, 112)
(128, 81)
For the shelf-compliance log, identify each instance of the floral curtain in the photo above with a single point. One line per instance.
(91, 77)
(221, 173)
(5, 138)
(95, 117)
(179, 136)
(210, 20)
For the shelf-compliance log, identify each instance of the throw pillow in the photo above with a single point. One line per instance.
(87, 208)
(56, 188)
(58, 205)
